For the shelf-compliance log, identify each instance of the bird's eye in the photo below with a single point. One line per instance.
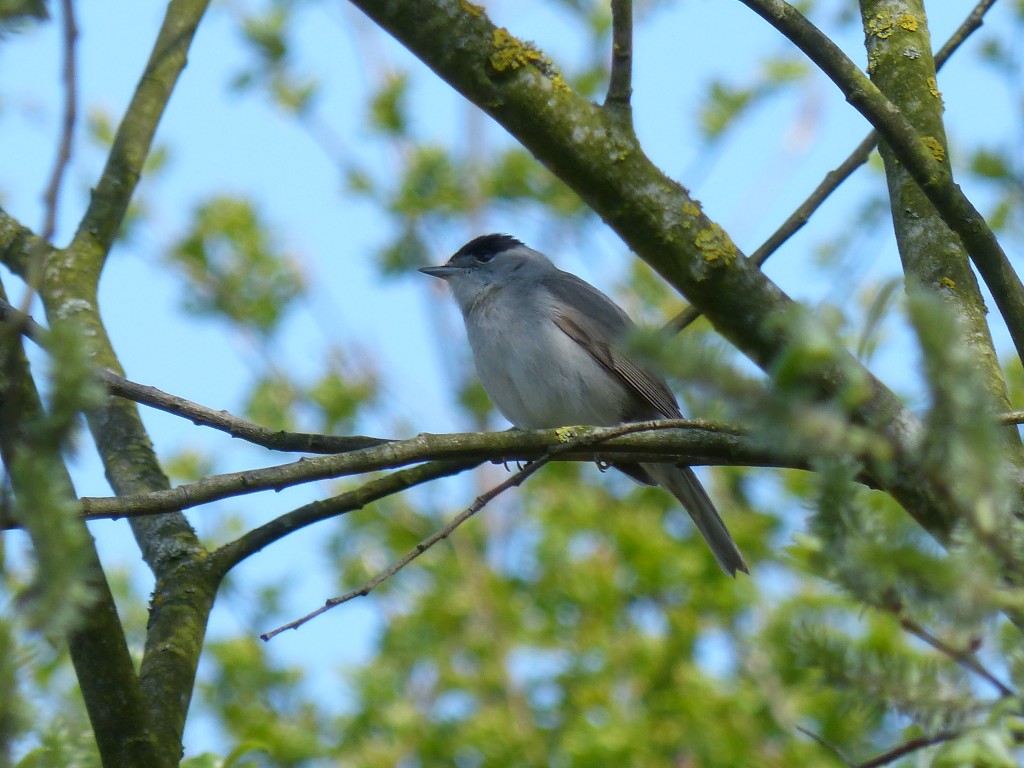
(482, 258)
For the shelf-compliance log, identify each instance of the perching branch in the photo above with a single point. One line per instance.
(68, 124)
(692, 442)
(576, 442)
(833, 179)
(914, 153)
(620, 83)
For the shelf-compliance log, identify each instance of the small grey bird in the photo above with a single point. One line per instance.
(544, 345)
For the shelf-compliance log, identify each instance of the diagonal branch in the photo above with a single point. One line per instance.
(277, 440)
(914, 153)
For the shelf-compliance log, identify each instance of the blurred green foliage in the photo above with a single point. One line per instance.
(578, 621)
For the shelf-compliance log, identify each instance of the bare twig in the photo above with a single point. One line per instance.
(517, 478)
(964, 658)
(479, 503)
(228, 556)
(906, 748)
(68, 125)
(932, 177)
(620, 83)
(836, 177)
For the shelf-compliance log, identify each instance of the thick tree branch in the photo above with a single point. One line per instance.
(921, 156)
(99, 653)
(660, 222)
(185, 586)
(20, 247)
(931, 254)
(692, 442)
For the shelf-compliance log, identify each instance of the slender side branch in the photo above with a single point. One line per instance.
(914, 153)
(68, 125)
(231, 554)
(964, 658)
(303, 442)
(276, 440)
(836, 177)
(109, 201)
(620, 83)
(906, 748)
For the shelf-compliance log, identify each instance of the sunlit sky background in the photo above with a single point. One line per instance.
(224, 142)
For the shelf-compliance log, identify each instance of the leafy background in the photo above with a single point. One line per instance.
(307, 164)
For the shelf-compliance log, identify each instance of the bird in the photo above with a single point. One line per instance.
(548, 350)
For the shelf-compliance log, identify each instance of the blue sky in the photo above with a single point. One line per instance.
(224, 142)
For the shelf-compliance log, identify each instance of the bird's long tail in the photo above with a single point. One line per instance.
(685, 486)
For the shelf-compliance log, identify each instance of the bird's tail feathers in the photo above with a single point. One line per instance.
(684, 485)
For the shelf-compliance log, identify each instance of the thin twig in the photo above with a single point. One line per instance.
(964, 658)
(833, 179)
(826, 744)
(229, 555)
(906, 748)
(586, 440)
(68, 126)
(479, 503)
(620, 82)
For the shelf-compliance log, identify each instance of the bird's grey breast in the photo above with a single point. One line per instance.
(536, 375)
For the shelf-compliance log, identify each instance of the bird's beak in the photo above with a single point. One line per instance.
(443, 272)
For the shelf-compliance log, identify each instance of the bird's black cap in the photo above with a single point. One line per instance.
(487, 245)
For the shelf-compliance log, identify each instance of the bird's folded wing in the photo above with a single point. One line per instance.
(576, 326)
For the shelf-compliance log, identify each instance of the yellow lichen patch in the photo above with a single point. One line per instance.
(510, 53)
(714, 244)
(874, 59)
(565, 434)
(935, 147)
(947, 283)
(908, 21)
(881, 26)
(468, 7)
(933, 87)
(691, 208)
